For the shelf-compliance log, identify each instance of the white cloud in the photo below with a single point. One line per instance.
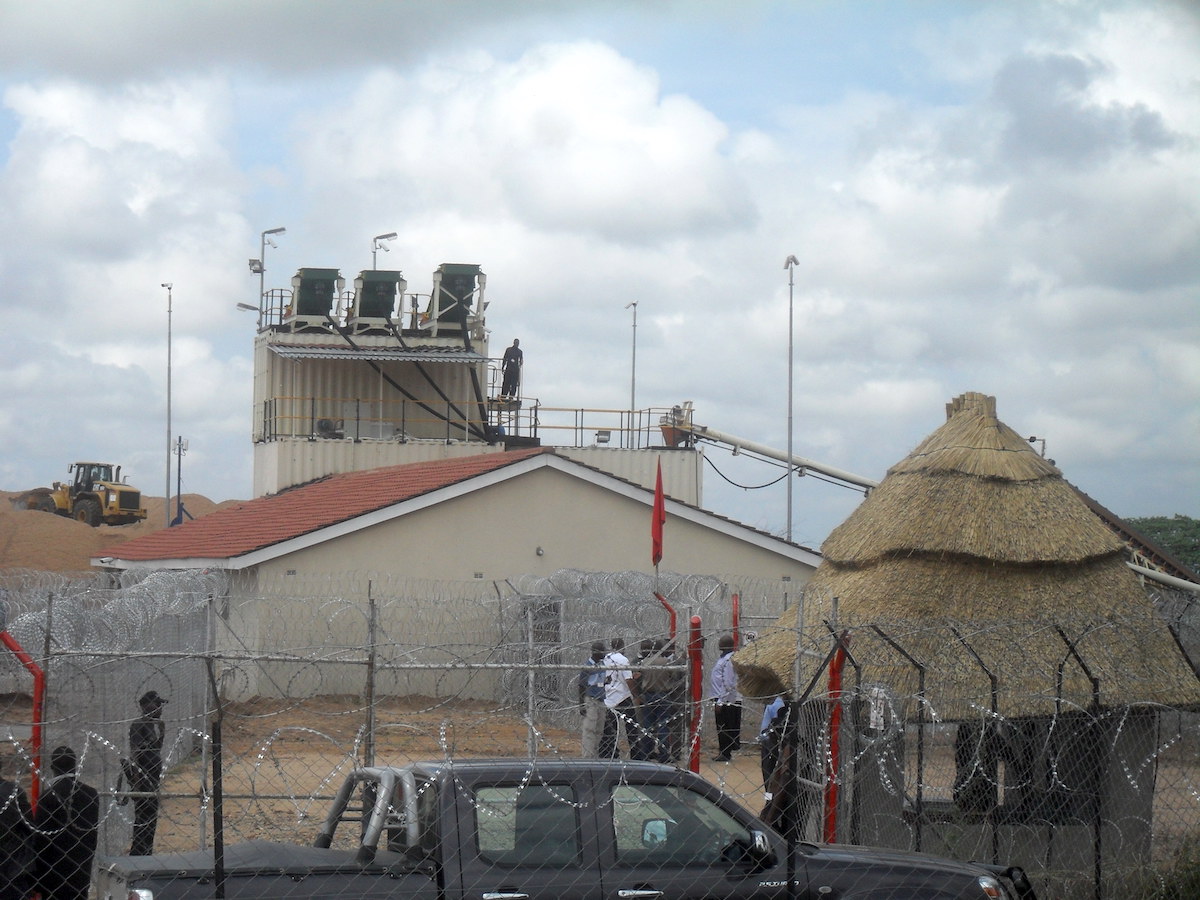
(568, 138)
(1019, 218)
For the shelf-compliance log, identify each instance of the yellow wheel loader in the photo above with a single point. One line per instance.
(96, 496)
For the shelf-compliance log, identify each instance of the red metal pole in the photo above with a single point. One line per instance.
(833, 762)
(39, 697)
(696, 663)
(737, 620)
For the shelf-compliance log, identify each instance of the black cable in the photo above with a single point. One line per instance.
(802, 471)
(382, 374)
(745, 487)
(429, 378)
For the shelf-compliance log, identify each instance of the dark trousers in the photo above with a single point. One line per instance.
(769, 756)
(508, 387)
(145, 822)
(729, 728)
(656, 725)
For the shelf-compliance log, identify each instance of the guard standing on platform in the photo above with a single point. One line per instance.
(514, 359)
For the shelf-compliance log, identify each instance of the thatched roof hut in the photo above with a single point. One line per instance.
(982, 563)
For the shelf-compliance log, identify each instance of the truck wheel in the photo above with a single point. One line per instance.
(88, 510)
(46, 504)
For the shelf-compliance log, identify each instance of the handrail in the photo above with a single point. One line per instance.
(308, 417)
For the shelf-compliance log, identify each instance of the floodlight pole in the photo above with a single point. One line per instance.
(790, 263)
(262, 260)
(167, 494)
(633, 365)
(377, 244)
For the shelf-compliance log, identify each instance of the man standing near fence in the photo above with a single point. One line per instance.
(657, 683)
(16, 841)
(68, 816)
(591, 703)
(146, 735)
(728, 702)
(620, 701)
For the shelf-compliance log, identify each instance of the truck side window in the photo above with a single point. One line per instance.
(427, 816)
(661, 825)
(528, 825)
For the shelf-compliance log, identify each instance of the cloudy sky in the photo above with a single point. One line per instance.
(997, 196)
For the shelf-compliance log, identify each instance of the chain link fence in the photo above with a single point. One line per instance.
(292, 683)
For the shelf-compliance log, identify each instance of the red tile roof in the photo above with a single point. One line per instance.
(238, 530)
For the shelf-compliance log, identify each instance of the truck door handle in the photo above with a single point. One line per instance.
(505, 895)
(639, 894)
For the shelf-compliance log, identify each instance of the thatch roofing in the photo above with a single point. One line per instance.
(982, 562)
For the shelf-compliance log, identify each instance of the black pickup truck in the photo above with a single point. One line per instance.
(546, 830)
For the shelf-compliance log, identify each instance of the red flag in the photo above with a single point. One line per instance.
(659, 517)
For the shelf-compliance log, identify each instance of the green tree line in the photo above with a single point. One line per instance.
(1178, 535)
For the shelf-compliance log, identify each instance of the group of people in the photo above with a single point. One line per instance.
(646, 704)
(50, 851)
(727, 714)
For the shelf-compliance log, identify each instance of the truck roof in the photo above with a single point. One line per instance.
(543, 765)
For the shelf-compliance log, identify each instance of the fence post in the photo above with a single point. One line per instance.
(919, 798)
(833, 762)
(1097, 817)
(42, 761)
(995, 715)
(696, 679)
(372, 640)
(39, 700)
(218, 808)
(529, 686)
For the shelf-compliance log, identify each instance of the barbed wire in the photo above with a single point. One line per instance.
(316, 675)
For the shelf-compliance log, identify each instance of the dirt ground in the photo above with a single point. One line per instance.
(36, 540)
(281, 765)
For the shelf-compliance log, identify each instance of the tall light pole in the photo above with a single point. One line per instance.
(790, 263)
(167, 494)
(259, 266)
(633, 366)
(377, 244)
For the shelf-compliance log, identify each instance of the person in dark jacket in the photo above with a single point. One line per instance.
(68, 815)
(145, 772)
(16, 842)
(514, 359)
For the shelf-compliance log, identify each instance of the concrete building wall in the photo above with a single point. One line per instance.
(496, 532)
(489, 535)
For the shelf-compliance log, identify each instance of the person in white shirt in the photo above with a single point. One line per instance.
(728, 700)
(620, 701)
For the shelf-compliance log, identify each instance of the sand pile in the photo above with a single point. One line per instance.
(36, 540)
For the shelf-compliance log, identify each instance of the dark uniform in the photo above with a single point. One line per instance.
(67, 817)
(16, 842)
(511, 364)
(146, 735)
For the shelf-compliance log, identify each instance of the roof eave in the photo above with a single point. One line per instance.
(565, 465)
